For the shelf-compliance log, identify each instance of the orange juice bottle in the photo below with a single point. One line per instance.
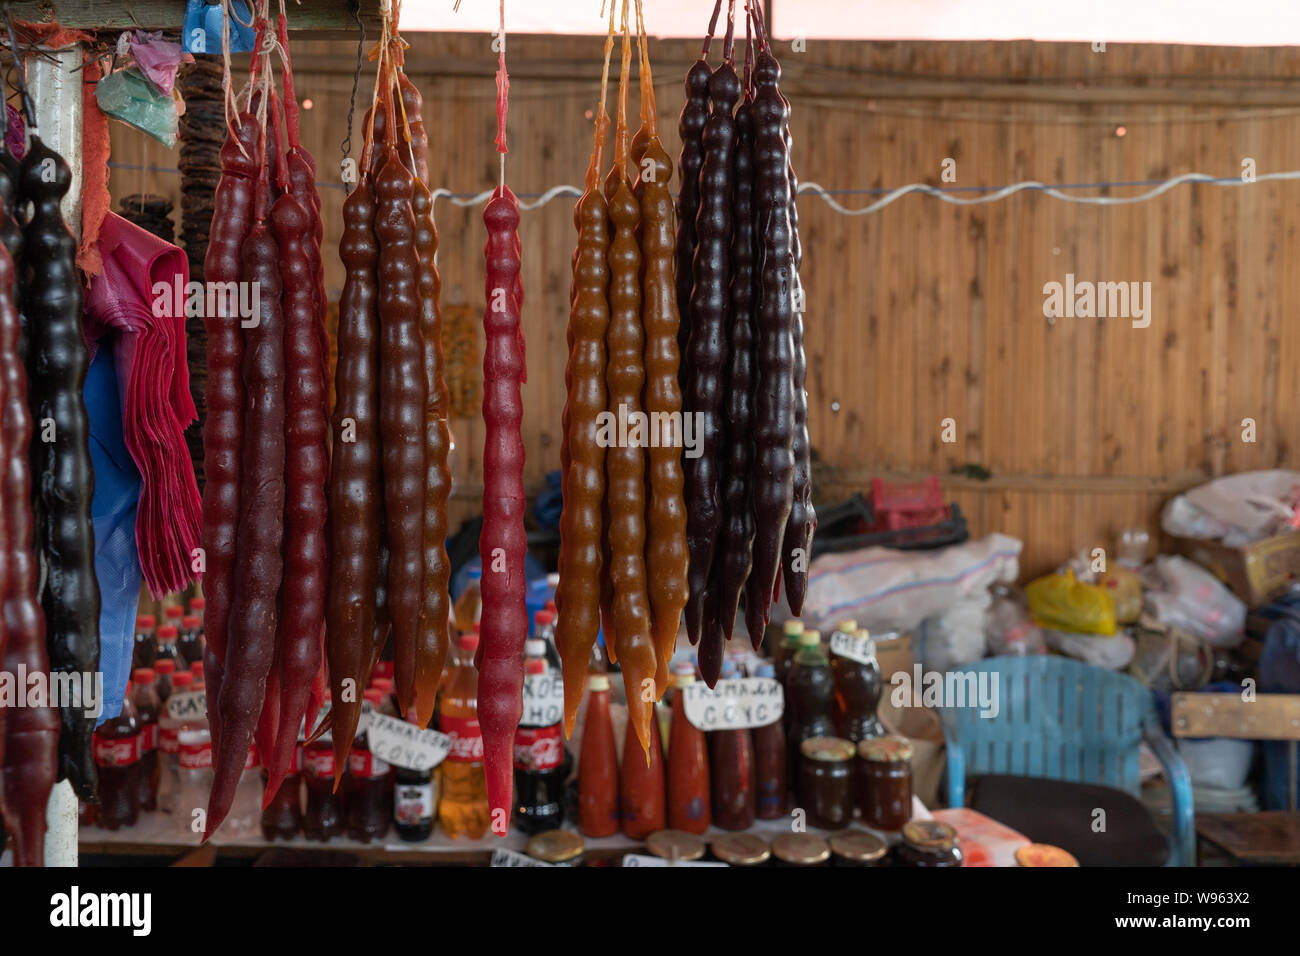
(463, 809)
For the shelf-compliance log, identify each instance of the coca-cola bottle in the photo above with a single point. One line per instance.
(370, 786)
(282, 817)
(117, 755)
(323, 816)
(539, 747)
(146, 645)
(415, 796)
(190, 640)
(163, 672)
(147, 708)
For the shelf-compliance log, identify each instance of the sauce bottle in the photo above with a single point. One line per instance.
(463, 808)
(642, 784)
(146, 644)
(147, 707)
(598, 765)
(733, 778)
(769, 763)
(369, 786)
(857, 689)
(117, 757)
(784, 652)
(809, 695)
(415, 798)
(688, 763)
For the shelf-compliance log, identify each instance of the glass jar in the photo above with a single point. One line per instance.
(928, 843)
(675, 846)
(800, 849)
(884, 782)
(858, 848)
(826, 781)
(741, 849)
(556, 846)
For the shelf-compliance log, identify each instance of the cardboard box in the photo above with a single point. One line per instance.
(1256, 573)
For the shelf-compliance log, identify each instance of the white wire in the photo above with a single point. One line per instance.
(819, 191)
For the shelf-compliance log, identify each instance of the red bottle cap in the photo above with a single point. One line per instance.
(375, 696)
(143, 675)
(173, 610)
(383, 669)
(383, 684)
(469, 642)
(167, 632)
(197, 669)
(183, 679)
(550, 606)
(145, 621)
(191, 622)
(165, 666)
(544, 617)
(535, 665)
(197, 605)
(129, 688)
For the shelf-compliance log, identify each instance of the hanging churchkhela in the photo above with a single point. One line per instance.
(750, 513)
(389, 479)
(623, 555)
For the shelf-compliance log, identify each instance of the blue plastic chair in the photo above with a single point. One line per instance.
(1065, 720)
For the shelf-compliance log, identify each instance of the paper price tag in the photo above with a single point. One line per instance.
(854, 648)
(502, 857)
(637, 859)
(735, 704)
(543, 700)
(404, 744)
(189, 705)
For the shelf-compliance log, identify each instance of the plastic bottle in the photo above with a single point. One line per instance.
(415, 800)
(172, 615)
(147, 708)
(857, 690)
(245, 817)
(539, 747)
(642, 791)
(168, 650)
(323, 817)
(787, 648)
(190, 643)
(164, 671)
(197, 606)
(769, 764)
(282, 817)
(733, 778)
(146, 643)
(117, 757)
(598, 766)
(808, 695)
(688, 762)
(469, 606)
(544, 630)
(169, 745)
(370, 794)
(463, 807)
(195, 770)
(196, 672)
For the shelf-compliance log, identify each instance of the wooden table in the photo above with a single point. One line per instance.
(1270, 837)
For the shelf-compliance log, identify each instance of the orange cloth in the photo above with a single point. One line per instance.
(94, 178)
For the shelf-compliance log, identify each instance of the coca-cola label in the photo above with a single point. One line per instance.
(196, 756)
(191, 705)
(413, 803)
(169, 740)
(365, 765)
(854, 648)
(117, 751)
(543, 700)
(403, 744)
(318, 761)
(149, 738)
(539, 748)
(734, 704)
(466, 738)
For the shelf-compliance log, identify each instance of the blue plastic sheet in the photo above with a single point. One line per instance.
(202, 31)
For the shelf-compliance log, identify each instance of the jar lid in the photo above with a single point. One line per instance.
(741, 849)
(858, 846)
(597, 682)
(792, 627)
(827, 748)
(848, 626)
(929, 835)
(810, 639)
(801, 849)
(675, 845)
(555, 846)
(1043, 854)
(884, 749)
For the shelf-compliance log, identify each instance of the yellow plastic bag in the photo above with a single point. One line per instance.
(1060, 602)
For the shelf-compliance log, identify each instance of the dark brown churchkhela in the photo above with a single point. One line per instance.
(707, 354)
(64, 481)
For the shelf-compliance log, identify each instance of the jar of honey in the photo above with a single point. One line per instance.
(800, 849)
(675, 845)
(928, 843)
(741, 849)
(557, 847)
(858, 848)
(884, 782)
(826, 781)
